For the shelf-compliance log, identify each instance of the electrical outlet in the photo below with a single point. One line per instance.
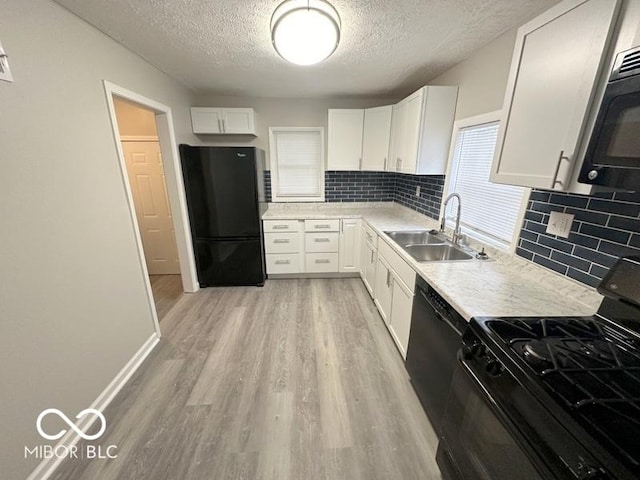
(418, 191)
(560, 224)
(5, 72)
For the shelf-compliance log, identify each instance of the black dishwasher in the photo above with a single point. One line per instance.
(434, 339)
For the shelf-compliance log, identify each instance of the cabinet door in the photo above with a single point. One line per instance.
(350, 245)
(555, 66)
(383, 289)
(345, 139)
(400, 323)
(397, 136)
(370, 273)
(412, 124)
(239, 120)
(206, 120)
(376, 137)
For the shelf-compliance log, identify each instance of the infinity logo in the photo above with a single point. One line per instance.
(72, 425)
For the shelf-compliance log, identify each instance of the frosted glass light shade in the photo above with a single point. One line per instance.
(305, 32)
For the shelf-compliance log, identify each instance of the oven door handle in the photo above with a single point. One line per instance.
(474, 378)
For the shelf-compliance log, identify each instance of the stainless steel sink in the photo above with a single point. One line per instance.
(416, 237)
(437, 253)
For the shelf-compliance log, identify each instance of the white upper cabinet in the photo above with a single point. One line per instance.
(421, 131)
(375, 139)
(227, 121)
(554, 71)
(344, 150)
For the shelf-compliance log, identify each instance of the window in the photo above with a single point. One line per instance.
(490, 211)
(297, 164)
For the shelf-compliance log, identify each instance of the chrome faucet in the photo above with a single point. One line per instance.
(455, 238)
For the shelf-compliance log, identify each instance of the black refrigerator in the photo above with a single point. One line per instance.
(225, 198)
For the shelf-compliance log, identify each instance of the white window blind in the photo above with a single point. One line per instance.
(297, 164)
(489, 209)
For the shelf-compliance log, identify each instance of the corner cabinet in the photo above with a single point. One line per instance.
(223, 121)
(344, 140)
(421, 130)
(350, 245)
(554, 72)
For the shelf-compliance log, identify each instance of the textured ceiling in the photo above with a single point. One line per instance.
(388, 47)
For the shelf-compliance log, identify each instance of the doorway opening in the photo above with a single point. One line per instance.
(143, 131)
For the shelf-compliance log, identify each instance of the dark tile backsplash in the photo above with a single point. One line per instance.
(356, 186)
(605, 227)
(431, 187)
(359, 186)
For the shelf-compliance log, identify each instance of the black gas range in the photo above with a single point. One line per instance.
(549, 398)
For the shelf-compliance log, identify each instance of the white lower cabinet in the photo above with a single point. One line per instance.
(400, 323)
(393, 293)
(368, 266)
(383, 288)
(350, 245)
(312, 246)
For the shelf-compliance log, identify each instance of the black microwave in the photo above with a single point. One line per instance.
(612, 158)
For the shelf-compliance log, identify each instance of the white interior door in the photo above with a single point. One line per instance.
(146, 177)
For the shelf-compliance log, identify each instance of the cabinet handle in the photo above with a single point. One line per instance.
(360, 163)
(224, 126)
(321, 240)
(323, 226)
(385, 164)
(281, 227)
(555, 175)
(371, 257)
(281, 240)
(322, 260)
(283, 262)
(242, 155)
(220, 126)
(388, 275)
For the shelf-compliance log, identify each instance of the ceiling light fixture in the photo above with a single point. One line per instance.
(305, 32)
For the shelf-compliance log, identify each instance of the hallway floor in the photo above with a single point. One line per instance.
(298, 380)
(167, 290)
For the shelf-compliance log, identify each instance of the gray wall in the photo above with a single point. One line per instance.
(73, 307)
(482, 78)
(280, 112)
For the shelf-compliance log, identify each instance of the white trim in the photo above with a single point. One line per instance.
(48, 466)
(175, 189)
(138, 138)
(274, 164)
(491, 117)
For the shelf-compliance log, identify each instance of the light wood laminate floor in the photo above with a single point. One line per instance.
(167, 290)
(298, 380)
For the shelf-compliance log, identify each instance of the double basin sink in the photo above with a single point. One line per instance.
(425, 246)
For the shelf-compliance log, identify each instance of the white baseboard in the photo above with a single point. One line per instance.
(46, 468)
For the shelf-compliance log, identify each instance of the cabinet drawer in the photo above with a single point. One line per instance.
(402, 269)
(283, 263)
(321, 262)
(282, 242)
(321, 242)
(322, 225)
(281, 225)
(370, 235)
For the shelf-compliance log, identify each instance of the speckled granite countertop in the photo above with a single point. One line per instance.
(506, 286)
